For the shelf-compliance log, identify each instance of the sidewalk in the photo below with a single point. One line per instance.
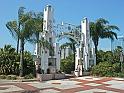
(85, 84)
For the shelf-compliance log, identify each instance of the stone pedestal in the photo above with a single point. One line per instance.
(79, 71)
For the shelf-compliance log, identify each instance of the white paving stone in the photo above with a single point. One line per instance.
(66, 86)
(88, 78)
(93, 84)
(41, 85)
(118, 78)
(11, 88)
(117, 86)
(62, 82)
(96, 90)
(114, 82)
(49, 91)
(53, 83)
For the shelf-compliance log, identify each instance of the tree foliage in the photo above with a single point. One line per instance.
(9, 61)
(106, 69)
(109, 56)
(26, 28)
(109, 63)
(67, 65)
(101, 29)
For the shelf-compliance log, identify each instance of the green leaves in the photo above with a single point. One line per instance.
(13, 28)
(101, 29)
(67, 65)
(105, 69)
(9, 61)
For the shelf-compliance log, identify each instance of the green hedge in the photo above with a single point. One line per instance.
(67, 65)
(107, 69)
(9, 77)
(10, 61)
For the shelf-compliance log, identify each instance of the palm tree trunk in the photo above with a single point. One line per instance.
(21, 57)
(18, 45)
(18, 39)
(96, 53)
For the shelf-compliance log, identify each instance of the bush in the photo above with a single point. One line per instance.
(9, 62)
(11, 77)
(67, 65)
(29, 76)
(121, 75)
(106, 69)
(2, 77)
(116, 67)
(102, 69)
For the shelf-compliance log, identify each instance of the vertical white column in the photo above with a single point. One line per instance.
(57, 57)
(85, 31)
(77, 58)
(48, 28)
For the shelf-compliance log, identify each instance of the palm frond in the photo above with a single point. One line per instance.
(13, 28)
(112, 27)
(102, 21)
(110, 35)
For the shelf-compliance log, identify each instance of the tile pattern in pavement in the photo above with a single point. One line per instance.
(87, 84)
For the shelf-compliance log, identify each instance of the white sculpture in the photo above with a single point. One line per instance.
(49, 62)
(85, 54)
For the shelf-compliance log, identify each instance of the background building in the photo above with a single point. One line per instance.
(65, 52)
(118, 42)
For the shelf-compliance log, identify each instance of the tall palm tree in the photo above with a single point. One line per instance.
(101, 29)
(22, 30)
(38, 28)
(14, 26)
(31, 27)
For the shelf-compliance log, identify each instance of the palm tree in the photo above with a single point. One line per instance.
(31, 27)
(22, 30)
(101, 29)
(27, 29)
(38, 28)
(14, 26)
(24, 35)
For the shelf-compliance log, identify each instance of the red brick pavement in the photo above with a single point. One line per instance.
(83, 86)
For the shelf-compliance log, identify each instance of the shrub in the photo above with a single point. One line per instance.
(102, 69)
(121, 75)
(9, 61)
(116, 67)
(29, 76)
(107, 69)
(67, 65)
(2, 77)
(11, 77)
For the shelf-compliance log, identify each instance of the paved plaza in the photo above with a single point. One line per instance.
(85, 84)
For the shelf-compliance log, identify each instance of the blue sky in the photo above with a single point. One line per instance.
(71, 11)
